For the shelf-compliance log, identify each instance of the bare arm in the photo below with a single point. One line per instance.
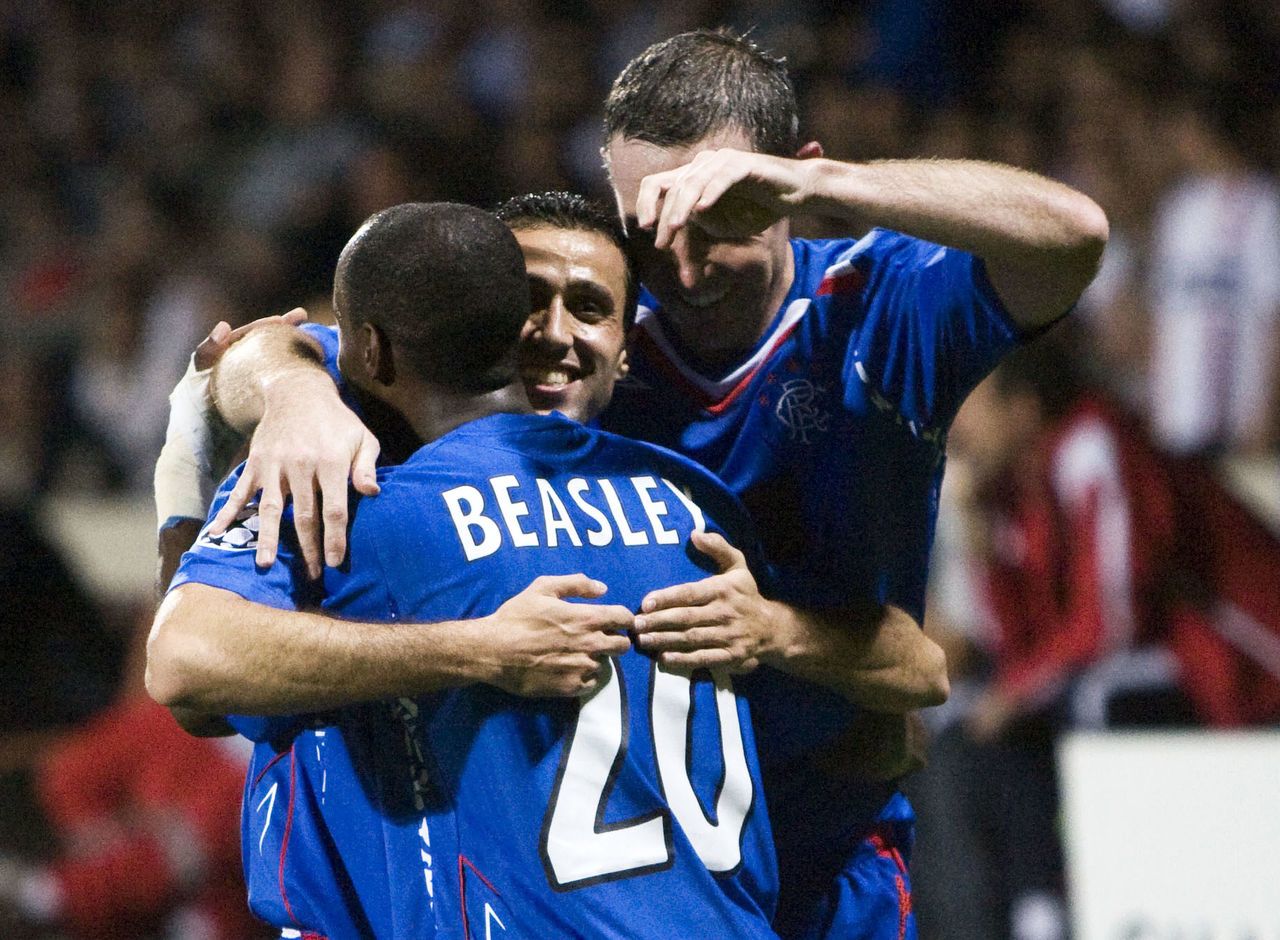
(876, 657)
(214, 652)
(174, 540)
(1040, 240)
(307, 443)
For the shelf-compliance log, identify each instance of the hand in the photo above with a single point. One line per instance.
(222, 336)
(308, 442)
(720, 621)
(726, 193)
(540, 644)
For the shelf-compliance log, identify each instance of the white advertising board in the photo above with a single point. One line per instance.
(1172, 836)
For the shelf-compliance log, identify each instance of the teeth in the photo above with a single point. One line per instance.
(553, 378)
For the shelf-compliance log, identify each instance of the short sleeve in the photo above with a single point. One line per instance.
(932, 327)
(226, 561)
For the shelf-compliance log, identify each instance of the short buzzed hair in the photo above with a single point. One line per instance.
(684, 88)
(577, 213)
(446, 285)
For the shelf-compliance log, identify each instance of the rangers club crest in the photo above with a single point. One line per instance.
(798, 409)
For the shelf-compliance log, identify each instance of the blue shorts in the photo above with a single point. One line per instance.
(869, 895)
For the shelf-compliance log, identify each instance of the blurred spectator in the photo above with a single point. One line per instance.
(1216, 296)
(147, 823)
(1124, 586)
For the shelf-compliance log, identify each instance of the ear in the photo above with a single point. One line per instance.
(809, 151)
(378, 359)
(624, 366)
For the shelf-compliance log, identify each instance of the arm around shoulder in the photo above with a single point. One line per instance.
(878, 658)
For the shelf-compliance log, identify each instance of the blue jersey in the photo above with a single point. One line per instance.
(636, 812)
(832, 432)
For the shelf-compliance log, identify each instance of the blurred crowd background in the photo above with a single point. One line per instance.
(170, 164)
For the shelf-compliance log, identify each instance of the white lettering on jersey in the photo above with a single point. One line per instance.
(699, 522)
(654, 508)
(480, 534)
(556, 516)
(472, 517)
(601, 536)
(512, 510)
(629, 536)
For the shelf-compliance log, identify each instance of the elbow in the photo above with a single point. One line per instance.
(1086, 236)
(172, 673)
(935, 683)
(166, 679)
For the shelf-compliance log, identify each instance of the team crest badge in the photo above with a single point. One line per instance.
(799, 409)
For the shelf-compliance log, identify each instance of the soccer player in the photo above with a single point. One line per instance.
(818, 379)
(554, 817)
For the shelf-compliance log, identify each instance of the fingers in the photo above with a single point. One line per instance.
(239, 497)
(332, 481)
(708, 659)
(213, 346)
(692, 594)
(307, 526)
(568, 585)
(295, 316)
(270, 509)
(610, 644)
(364, 468)
(693, 638)
(687, 195)
(716, 547)
(649, 199)
(677, 203)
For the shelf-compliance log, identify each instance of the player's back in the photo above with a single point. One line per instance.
(634, 812)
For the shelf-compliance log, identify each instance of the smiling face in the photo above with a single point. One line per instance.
(571, 349)
(719, 294)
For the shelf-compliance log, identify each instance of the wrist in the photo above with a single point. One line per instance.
(838, 189)
(471, 657)
(784, 642)
(289, 383)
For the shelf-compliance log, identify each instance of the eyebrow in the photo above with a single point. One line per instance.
(581, 286)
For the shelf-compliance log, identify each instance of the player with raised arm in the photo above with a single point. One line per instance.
(818, 380)
(632, 809)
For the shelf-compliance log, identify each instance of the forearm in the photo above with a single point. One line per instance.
(1023, 226)
(258, 365)
(879, 658)
(212, 651)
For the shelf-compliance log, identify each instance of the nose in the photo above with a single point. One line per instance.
(553, 325)
(690, 254)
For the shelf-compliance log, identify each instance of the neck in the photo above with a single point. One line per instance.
(431, 411)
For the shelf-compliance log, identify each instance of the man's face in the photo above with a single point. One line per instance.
(571, 349)
(712, 289)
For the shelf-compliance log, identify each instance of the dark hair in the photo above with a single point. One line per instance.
(446, 284)
(571, 211)
(680, 90)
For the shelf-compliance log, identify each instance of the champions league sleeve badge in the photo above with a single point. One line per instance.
(241, 535)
